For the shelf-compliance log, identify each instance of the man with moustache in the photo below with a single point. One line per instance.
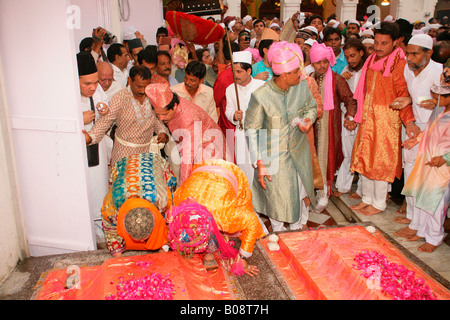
(420, 74)
(119, 58)
(194, 89)
(376, 152)
(136, 122)
(163, 69)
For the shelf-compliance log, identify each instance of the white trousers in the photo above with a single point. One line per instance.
(374, 192)
(408, 159)
(344, 177)
(304, 213)
(431, 226)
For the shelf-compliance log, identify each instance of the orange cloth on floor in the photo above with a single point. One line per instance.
(158, 236)
(233, 212)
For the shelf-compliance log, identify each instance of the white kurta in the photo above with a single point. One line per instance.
(241, 145)
(344, 178)
(121, 76)
(418, 87)
(98, 176)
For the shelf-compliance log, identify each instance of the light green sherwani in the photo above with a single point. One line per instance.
(285, 151)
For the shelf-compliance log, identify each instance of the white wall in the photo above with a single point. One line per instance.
(50, 208)
(41, 80)
(13, 241)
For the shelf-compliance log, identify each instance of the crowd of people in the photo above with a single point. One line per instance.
(303, 107)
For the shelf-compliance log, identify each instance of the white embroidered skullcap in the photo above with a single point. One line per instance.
(242, 56)
(310, 42)
(370, 41)
(439, 88)
(422, 40)
(313, 29)
(353, 21)
(231, 24)
(367, 32)
(435, 26)
(246, 19)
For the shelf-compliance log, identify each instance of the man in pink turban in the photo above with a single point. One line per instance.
(334, 91)
(277, 119)
(197, 136)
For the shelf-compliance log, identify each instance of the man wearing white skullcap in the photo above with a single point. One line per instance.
(367, 34)
(420, 73)
(246, 85)
(353, 26)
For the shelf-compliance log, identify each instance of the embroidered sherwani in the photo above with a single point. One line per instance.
(328, 129)
(377, 148)
(136, 125)
(283, 148)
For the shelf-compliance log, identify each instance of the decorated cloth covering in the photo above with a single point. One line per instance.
(140, 180)
(194, 29)
(223, 189)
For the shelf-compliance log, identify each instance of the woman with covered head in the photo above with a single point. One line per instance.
(277, 119)
(223, 189)
(334, 91)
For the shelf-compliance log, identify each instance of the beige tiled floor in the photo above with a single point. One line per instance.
(439, 260)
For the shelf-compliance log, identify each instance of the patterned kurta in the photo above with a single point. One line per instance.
(328, 129)
(427, 184)
(197, 136)
(136, 124)
(270, 114)
(141, 176)
(377, 148)
(223, 189)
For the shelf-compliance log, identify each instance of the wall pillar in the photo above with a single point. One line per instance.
(346, 9)
(288, 8)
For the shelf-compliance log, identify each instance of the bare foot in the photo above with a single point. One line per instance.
(402, 209)
(337, 193)
(405, 232)
(354, 195)
(307, 201)
(427, 248)
(359, 206)
(414, 238)
(369, 211)
(402, 220)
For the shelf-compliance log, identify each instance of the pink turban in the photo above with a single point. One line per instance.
(318, 52)
(160, 94)
(285, 57)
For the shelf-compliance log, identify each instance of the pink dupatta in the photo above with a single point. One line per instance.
(360, 91)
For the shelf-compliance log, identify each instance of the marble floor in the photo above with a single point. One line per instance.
(24, 280)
